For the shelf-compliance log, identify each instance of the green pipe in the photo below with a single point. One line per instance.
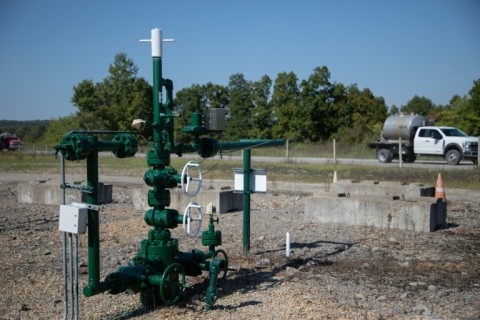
(246, 200)
(157, 90)
(207, 147)
(250, 144)
(93, 221)
(169, 111)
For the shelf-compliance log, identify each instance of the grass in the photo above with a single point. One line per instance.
(224, 169)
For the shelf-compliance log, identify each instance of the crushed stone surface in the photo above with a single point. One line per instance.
(333, 271)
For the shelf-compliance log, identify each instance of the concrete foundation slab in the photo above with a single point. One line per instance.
(417, 214)
(49, 192)
(223, 200)
(382, 188)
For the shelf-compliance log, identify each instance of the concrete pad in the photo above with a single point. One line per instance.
(381, 188)
(419, 214)
(49, 192)
(223, 200)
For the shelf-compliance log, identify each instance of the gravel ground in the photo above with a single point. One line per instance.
(333, 272)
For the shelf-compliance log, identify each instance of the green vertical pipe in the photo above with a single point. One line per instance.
(246, 200)
(93, 220)
(169, 111)
(157, 89)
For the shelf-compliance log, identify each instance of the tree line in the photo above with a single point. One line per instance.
(309, 110)
(31, 130)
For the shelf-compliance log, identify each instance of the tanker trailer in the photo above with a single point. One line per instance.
(396, 128)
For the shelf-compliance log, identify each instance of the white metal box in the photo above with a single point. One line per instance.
(73, 219)
(258, 180)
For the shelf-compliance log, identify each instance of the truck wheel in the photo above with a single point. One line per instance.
(384, 156)
(453, 157)
(409, 158)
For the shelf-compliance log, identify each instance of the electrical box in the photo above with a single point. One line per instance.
(258, 180)
(215, 119)
(73, 219)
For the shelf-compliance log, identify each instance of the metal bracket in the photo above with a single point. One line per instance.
(87, 206)
(77, 187)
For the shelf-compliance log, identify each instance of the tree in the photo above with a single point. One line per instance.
(314, 118)
(240, 106)
(361, 115)
(285, 105)
(262, 115)
(393, 110)
(59, 127)
(418, 105)
(113, 103)
(472, 116)
(452, 114)
(463, 112)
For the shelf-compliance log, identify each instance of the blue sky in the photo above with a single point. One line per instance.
(397, 49)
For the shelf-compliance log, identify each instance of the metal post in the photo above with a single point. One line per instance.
(286, 151)
(246, 200)
(75, 277)
(400, 151)
(72, 298)
(334, 152)
(478, 153)
(64, 242)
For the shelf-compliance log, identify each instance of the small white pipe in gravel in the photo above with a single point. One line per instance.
(287, 251)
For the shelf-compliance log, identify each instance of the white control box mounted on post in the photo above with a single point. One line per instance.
(73, 219)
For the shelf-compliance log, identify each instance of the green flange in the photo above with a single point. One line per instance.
(210, 238)
(166, 218)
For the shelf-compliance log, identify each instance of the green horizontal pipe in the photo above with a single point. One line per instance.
(251, 144)
(109, 146)
(208, 148)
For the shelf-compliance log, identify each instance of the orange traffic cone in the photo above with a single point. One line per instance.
(439, 191)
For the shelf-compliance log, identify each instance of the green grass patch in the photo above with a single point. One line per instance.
(224, 169)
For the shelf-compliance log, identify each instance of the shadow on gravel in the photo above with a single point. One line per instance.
(343, 246)
(246, 280)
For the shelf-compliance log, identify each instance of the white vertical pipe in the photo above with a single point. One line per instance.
(156, 42)
(287, 244)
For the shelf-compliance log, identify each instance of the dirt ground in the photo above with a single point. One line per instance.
(333, 272)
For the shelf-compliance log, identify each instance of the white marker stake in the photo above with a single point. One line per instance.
(287, 252)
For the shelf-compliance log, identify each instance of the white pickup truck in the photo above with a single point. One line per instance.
(417, 139)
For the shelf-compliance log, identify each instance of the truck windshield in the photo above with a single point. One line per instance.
(453, 132)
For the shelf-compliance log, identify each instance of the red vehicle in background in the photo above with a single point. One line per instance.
(9, 141)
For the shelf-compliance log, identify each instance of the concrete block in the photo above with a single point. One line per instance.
(223, 200)
(381, 188)
(420, 214)
(104, 194)
(229, 201)
(44, 193)
(50, 193)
